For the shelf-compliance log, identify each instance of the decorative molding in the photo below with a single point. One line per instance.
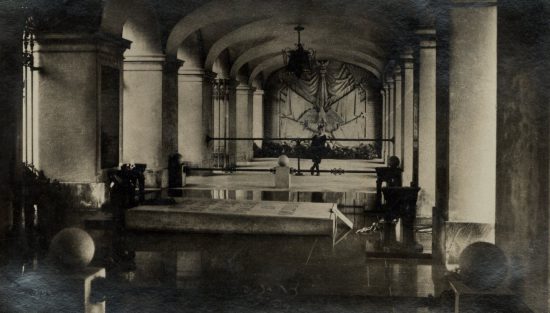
(473, 3)
(109, 49)
(196, 75)
(172, 64)
(397, 73)
(144, 63)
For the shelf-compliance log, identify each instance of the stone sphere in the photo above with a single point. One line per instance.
(283, 161)
(482, 266)
(393, 161)
(72, 248)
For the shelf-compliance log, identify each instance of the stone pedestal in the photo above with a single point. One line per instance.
(282, 177)
(472, 124)
(237, 217)
(68, 91)
(142, 112)
(57, 291)
(427, 121)
(468, 299)
(194, 114)
(408, 116)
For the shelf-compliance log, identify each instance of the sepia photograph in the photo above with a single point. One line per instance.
(275, 156)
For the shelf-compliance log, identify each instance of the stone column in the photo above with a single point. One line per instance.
(241, 150)
(142, 111)
(391, 116)
(472, 125)
(371, 114)
(408, 116)
(220, 115)
(384, 124)
(251, 120)
(170, 108)
(68, 127)
(427, 121)
(194, 114)
(68, 98)
(271, 128)
(258, 116)
(398, 113)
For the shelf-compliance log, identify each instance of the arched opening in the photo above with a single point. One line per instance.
(479, 156)
(142, 89)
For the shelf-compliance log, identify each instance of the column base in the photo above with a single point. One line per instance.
(156, 178)
(89, 195)
(58, 290)
(454, 237)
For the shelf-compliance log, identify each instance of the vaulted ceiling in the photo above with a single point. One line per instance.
(252, 33)
(364, 33)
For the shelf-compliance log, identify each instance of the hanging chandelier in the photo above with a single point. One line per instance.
(299, 60)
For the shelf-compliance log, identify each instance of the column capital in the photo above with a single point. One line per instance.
(77, 42)
(196, 75)
(209, 76)
(427, 32)
(145, 58)
(407, 55)
(407, 58)
(144, 62)
(426, 38)
(240, 87)
(397, 73)
(108, 48)
(172, 64)
(258, 92)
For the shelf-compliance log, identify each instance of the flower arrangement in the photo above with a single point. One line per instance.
(271, 149)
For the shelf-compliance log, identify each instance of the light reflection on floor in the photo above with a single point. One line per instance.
(278, 271)
(163, 272)
(282, 272)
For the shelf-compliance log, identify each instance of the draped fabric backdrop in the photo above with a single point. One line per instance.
(334, 94)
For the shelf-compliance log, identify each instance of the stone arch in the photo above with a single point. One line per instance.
(266, 50)
(221, 11)
(222, 65)
(281, 29)
(142, 29)
(135, 21)
(191, 52)
(268, 66)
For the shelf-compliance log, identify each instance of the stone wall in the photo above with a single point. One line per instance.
(11, 23)
(522, 155)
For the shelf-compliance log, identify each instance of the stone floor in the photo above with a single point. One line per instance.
(178, 272)
(175, 272)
